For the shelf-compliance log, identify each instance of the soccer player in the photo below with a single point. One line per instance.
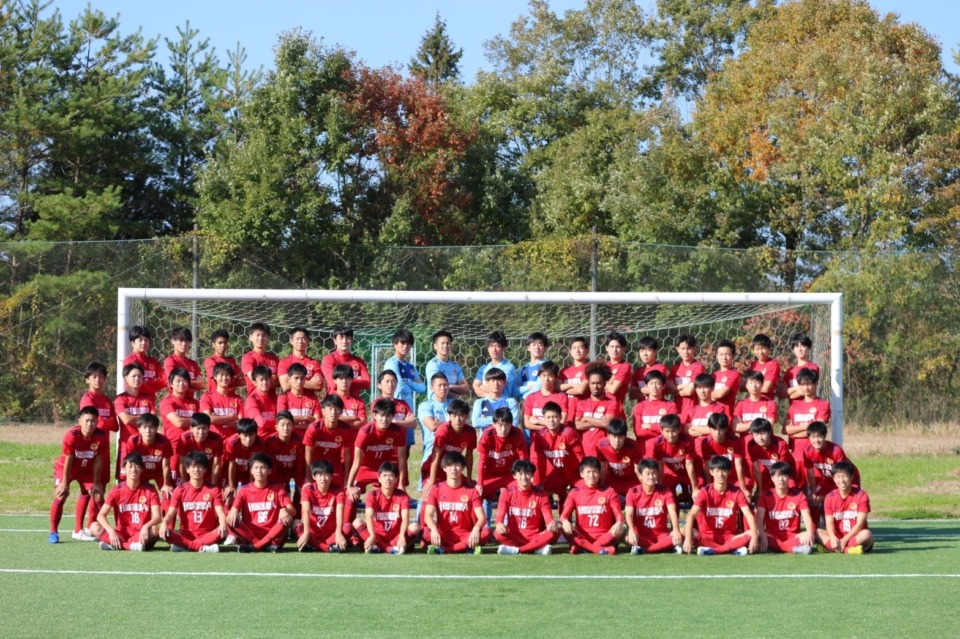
(220, 340)
(496, 345)
(706, 406)
(599, 523)
(408, 379)
(321, 526)
(621, 372)
(262, 513)
(845, 512)
(648, 411)
(176, 409)
(299, 402)
(153, 379)
(493, 399)
(801, 345)
(341, 356)
(129, 405)
(201, 439)
(156, 452)
(802, 412)
(573, 379)
(676, 455)
(354, 413)
(528, 377)
(497, 449)
(763, 450)
(753, 406)
(780, 511)
(762, 348)
(378, 442)
(433, 412)
(96, 378)
(683, 373)
(817, 459)
(223, 407)
(329, 440)
(720, 442)
(386, 526)
(715, 511)
(647, 349)
(237, 453)
(136, 512)
(287, 451)
(649, 508)
(258, 355)
(261, 403)
(726, 377)
(618, 455)
(548, 391)
(591, 416)
(455, 435)
(181, 339)
(453, 515)
(442, 363)
(403, 415)
(199, 506)
(312, 376)
(85, 455)
(525, 521)
(556, 453)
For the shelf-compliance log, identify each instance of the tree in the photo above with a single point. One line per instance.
(436, 61)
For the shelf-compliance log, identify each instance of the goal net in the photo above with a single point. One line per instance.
(472, 316)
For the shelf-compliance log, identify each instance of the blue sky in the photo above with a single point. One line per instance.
(383, 32)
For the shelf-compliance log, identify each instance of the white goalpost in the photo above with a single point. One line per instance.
(375, 315)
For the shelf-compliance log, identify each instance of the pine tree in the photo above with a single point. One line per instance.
(436, 60)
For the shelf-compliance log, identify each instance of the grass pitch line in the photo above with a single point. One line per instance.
(307, 575)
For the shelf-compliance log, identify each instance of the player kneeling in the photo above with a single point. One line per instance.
(845, 511)
(321, 525)
(525, 520)
(453, 513)
(199, 505)
(715, 512)
(386, 525)
(599, 525)
(136, 511)
(780, 510)
(262, 513)
(649, 507)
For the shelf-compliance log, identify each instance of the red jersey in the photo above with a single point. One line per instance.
(260, 507)
(323, 509)
(646, 417)
(790, 375)
(650, 511)
(575, 375)
(803, 413)
(287, 459)
(727, 379)
(699, 414)
(673, 456)
(332, 445)
(821, 463)
(719, 512)
(731, 448)
(131, 507)
(401, 409)
(134, 406)
(557, 457)
(495, 457)
(182, 407)
(262, 408)
(378, 446)
(748, 410)
(84, 452)
(306, 405)
(175, 361)
(312, 366)
(212, 447)
(153, 456)
(456, 510)
(361, 376)
(234, 451)
(387, 511)
(771, 373)
(767, 456)
(534, 403)
(251, 360)
(107, 419)
(597, 509)
(845, 510)
(215, 403)
(354, 407)
(211, 362)
(524, 512)
(597, 409)
(640, 373)
(621, 372)
(446, 440)
(196, 508)
(681, 374)
(621, 464)
(154, 379)
(781, 517)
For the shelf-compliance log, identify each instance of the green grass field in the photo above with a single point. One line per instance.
(909, 587)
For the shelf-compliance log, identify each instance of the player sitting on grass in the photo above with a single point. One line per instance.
(453, 513)
(715, 511)
(262, 513)
(497, 449)
(385, 526)
(650, 507)
(525, 521)
(556, 452)
(199, 506)
(136, 512)
(619, 455)
(845, 511)
(321, 526)
(599, 523)
(84, 459)
(780, 510)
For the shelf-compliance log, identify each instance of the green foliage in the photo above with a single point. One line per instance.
(437, 60)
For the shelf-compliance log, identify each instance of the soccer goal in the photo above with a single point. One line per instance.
(471, 316)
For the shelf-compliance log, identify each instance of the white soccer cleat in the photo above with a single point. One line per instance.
(637, 550)
(210, 548)
(176, 548)
(136, 547)
(802, 550)
(546, 550)
(703, 551)
(82, 535)
(740, 552)
(397, 550)
(678, 549)
(105, 546)
(507, 550)
(230, 540)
